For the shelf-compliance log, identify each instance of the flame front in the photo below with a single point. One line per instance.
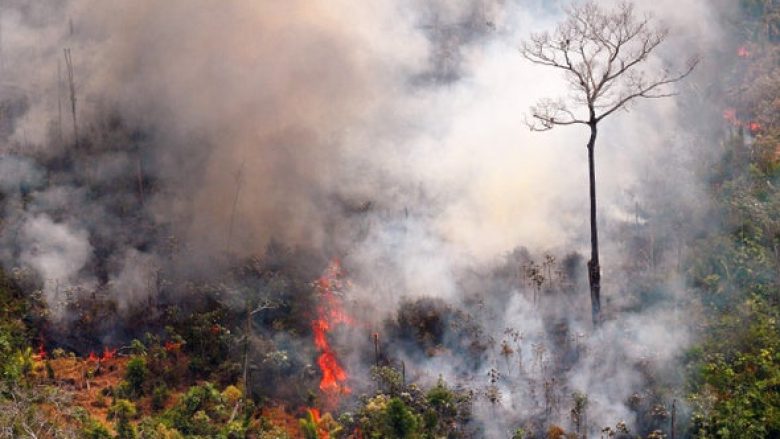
(329, 314)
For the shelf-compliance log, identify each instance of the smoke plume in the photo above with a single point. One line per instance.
(388, 133)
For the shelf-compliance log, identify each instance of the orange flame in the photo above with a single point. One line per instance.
(329, 313)
(322, 433)
(92, 357)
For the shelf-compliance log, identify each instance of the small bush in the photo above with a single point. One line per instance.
(159, 396)
(136, 375)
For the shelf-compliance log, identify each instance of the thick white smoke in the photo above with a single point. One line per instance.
(388, 132)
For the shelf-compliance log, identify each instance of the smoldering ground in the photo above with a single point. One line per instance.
(387, 134)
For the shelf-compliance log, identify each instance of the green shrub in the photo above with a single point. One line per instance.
(159, 396)
(122, 411)
(136, 375)
(94, 430)
(401, 421)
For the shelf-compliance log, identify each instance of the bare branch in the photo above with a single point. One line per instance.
(602, 54)
(650, 90)
(264, 305)
(548, 113)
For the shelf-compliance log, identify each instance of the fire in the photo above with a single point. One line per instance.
(171, 346)
(329, 314)
(730, 116)
(41, 355)
(315, 415)
(743, 52)
(316, 418)
(108, 354)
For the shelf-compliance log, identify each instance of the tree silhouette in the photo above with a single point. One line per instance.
(603, 55)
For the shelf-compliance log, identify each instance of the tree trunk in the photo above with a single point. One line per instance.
(594, 267)
(247, 330)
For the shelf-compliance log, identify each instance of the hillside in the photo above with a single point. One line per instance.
(328, 220)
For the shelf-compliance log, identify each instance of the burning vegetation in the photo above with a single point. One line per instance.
(173, 272)
(329, 314)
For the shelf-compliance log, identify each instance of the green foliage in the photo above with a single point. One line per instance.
(734, 374)
(442, 409)
(518, 434)
(234, 430)
(136, 375)
(18, 365)
(737, 383)
(137, 347)
(199, 411)
(413, 412)
(309, 426)
(208, 343)
(159, 396)
(388, 379)
(153, 428)
(94, 430)
(385, 417)
(122, 411)
(15, 351)
(401, 421)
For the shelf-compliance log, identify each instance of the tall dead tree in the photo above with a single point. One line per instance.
(59, 102)
(603, 55)
(239, 183)
(72, 87)
(2, 58)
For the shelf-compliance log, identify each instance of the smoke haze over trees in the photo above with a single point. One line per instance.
(261, 194)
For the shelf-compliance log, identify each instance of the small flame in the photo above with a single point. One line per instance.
(108, 354)
(743, 52)
(322, 433)
(329, 313)
(171, 346)
(41, 355)
(754, 127)
(92, 357)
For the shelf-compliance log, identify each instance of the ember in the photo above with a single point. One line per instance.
(92, 357)
(329, 313)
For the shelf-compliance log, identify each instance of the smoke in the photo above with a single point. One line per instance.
(388, 133)
(55, 250)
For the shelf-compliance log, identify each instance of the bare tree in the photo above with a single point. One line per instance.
(72, 87)
(603, 55)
